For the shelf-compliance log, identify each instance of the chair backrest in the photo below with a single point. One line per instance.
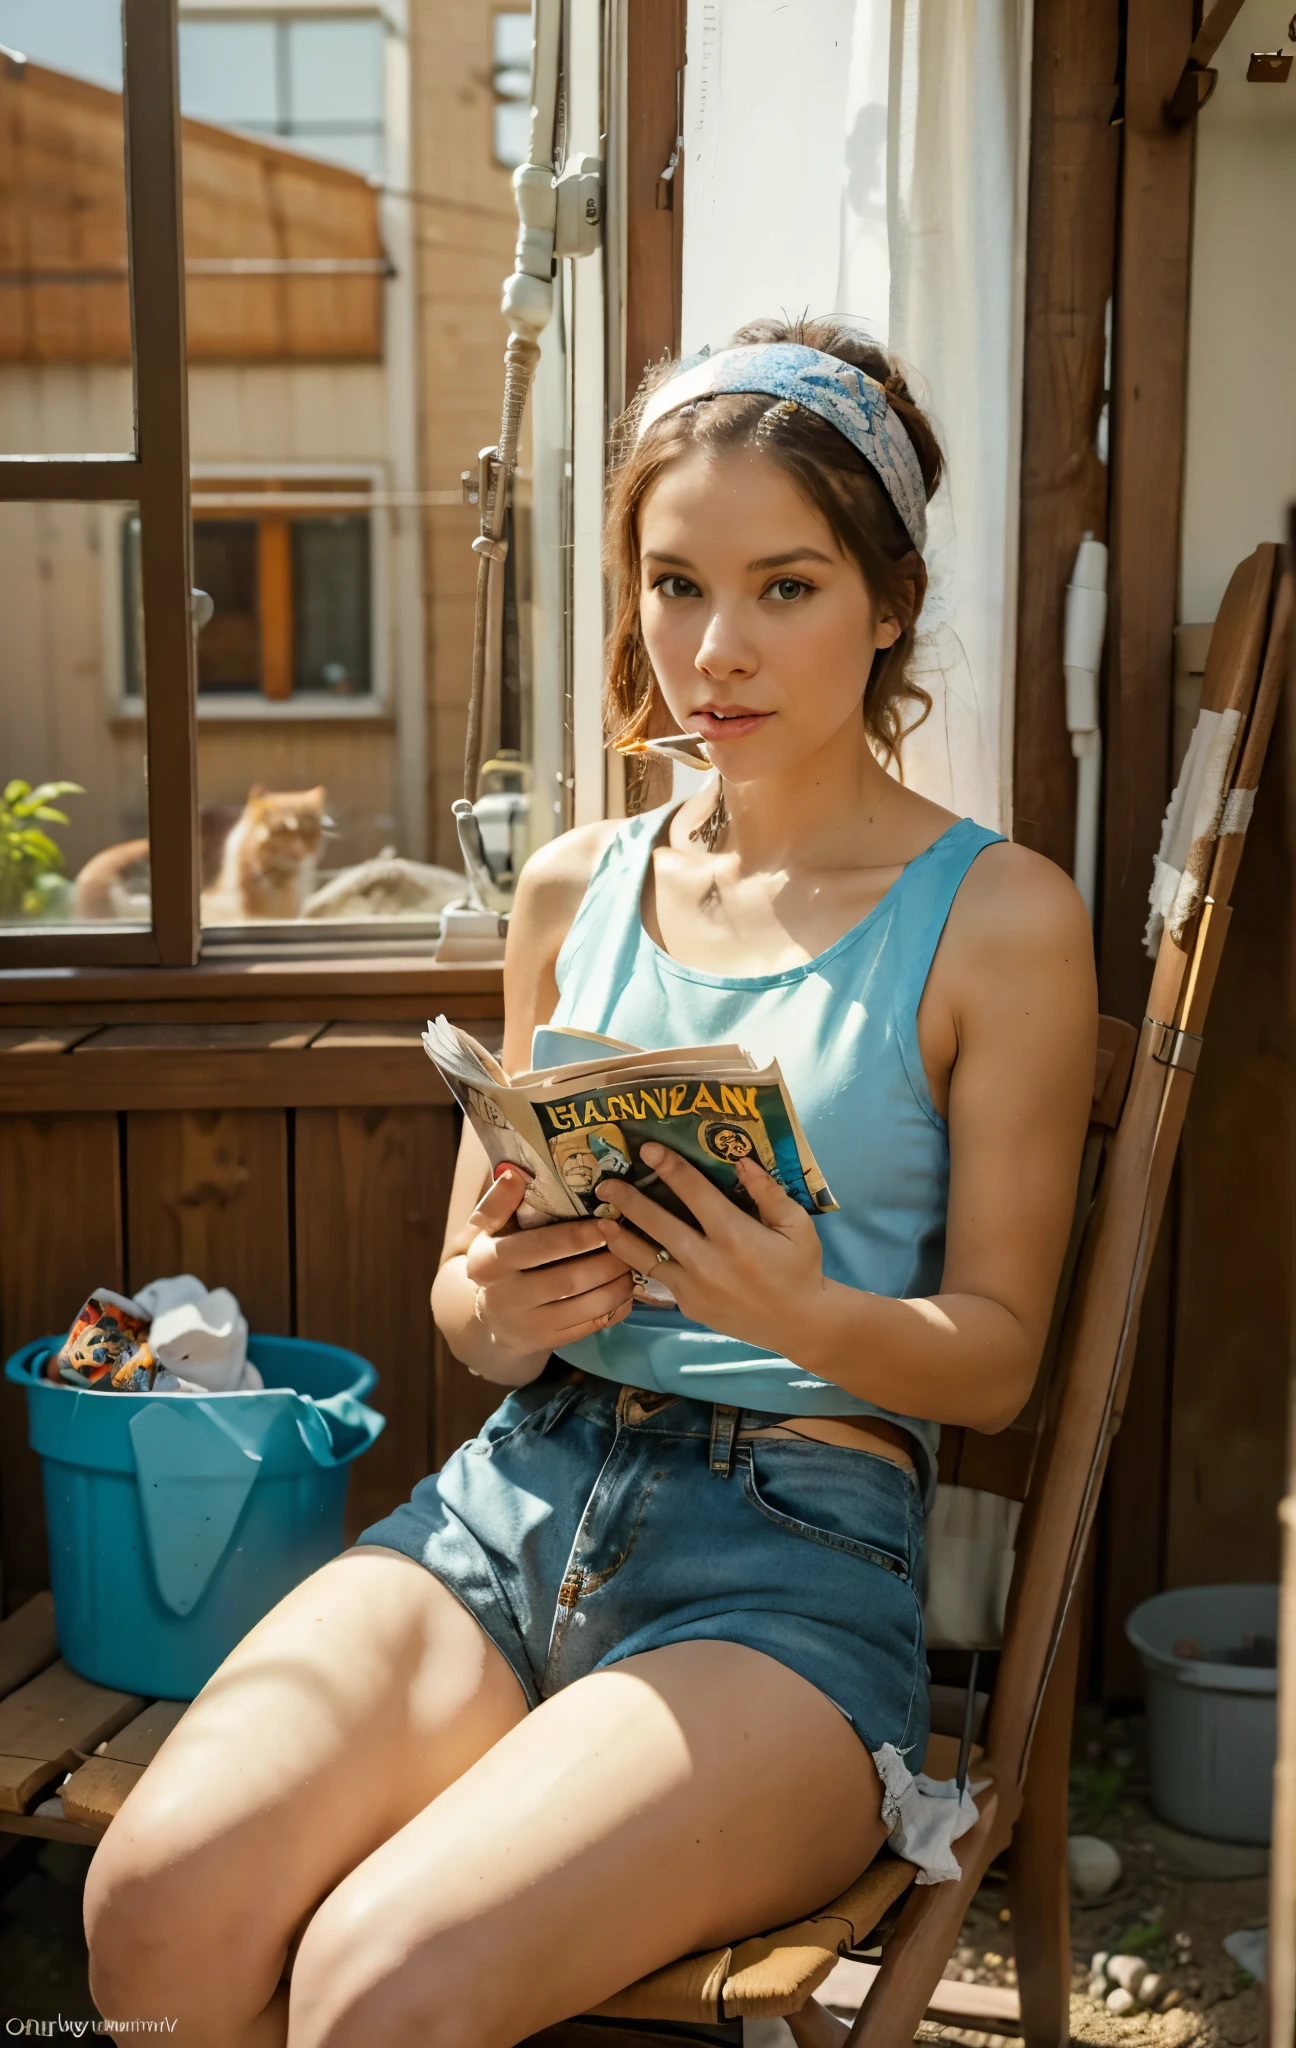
(983, 1480)
(1059, 1465)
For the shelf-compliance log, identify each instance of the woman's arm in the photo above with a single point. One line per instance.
(503, 1298)
(1012, 999)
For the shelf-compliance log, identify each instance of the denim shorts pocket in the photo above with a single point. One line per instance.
(835, 1498)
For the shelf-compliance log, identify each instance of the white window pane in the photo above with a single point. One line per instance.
(513, 84)
(335, 71)
(513, 40)
(227, 72)
(82, 37)
(363, 152)
(512, 134)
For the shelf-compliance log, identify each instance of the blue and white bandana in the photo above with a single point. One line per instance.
(849, 400)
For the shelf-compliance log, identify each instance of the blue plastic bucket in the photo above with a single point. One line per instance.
(177, 1520)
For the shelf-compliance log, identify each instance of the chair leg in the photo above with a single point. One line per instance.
(1037, 1871)
(815, 2027)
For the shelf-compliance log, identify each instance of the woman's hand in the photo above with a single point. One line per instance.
(536, 1289)
(749, 1279)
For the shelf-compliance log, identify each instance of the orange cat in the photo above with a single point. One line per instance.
(257, 862)
(271, 856)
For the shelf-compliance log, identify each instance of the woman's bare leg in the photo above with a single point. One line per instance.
(679, 1800)
(365, 1693)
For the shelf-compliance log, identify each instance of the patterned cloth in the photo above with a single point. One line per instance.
(847, 398)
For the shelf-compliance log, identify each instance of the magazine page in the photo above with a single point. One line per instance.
(503, 1119)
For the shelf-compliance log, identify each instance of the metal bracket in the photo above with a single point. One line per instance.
(1171, 1048)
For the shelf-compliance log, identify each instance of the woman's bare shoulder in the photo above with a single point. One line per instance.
(1019, 926)
(1017, 900)
(555, 879)
(549, 893)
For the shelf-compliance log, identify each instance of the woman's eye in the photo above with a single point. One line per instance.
(676, 586)
(787, 589)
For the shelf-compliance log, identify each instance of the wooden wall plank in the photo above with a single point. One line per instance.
(1232, 1326)
(1148, 403)
(1070, 269)
(207, 1193)
(60, 1235)
(372, 1187)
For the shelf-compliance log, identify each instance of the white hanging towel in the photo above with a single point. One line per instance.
(1191, 827)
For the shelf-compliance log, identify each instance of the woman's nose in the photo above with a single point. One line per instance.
(724, 652)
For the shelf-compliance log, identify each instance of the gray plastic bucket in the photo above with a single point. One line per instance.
(1212, 1728)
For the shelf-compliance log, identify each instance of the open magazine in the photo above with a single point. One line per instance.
(571, 1126)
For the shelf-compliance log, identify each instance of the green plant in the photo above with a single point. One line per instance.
(29, 858)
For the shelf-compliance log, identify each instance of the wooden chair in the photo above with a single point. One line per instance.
(1055, 1465)
(52, 1722)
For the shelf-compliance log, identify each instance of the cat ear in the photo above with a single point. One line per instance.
(257, 792)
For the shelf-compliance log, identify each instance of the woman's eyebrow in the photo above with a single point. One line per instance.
(793, 555)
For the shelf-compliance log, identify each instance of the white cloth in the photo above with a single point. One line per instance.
(199, 1336)
(925, 1815)
(971, 1538)
(1190, 827)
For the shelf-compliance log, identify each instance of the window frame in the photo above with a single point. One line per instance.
(155, 477)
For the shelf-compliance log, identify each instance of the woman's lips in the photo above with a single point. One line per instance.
(734, 726)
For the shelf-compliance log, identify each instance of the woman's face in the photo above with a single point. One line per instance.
(760, 631)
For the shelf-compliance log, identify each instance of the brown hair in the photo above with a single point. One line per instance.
(835, 478)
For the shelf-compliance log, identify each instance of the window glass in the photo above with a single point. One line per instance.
(227, 567)
(512, 82)
(335, 72)
(332, 642)
(73, 796)
(65, 324)
(228, 72)
(316, 81)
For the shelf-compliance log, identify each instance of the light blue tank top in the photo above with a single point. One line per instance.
(844, 1029)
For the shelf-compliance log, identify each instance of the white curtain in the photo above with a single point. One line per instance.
(869, 157)
(956, 211)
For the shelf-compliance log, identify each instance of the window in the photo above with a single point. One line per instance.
(314, 81)
(512, 81)
(292, 591)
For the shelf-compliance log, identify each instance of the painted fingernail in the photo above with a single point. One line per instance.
(653, 1153)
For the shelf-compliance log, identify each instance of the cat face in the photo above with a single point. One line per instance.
(286, 826)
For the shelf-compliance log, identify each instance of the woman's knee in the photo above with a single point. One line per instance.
(173, 1925)
(355, 1981)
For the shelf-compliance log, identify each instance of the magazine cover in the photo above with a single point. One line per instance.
(574, 1125)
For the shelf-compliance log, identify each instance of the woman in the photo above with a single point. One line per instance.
(638, 1672)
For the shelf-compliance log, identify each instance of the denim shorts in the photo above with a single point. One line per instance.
(590, 1522)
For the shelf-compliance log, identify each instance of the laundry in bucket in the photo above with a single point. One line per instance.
(107, 1346)
(198, 1335)
(173, 1337)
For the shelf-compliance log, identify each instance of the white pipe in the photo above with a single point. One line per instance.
(1082, 646)
(528, 292)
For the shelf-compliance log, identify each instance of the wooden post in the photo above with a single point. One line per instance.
(1070, 267)
(1149, 382)
(654, 201)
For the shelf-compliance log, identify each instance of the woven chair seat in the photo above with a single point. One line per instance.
(772, 1974)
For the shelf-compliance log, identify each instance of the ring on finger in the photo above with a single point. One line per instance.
(663, 1256)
